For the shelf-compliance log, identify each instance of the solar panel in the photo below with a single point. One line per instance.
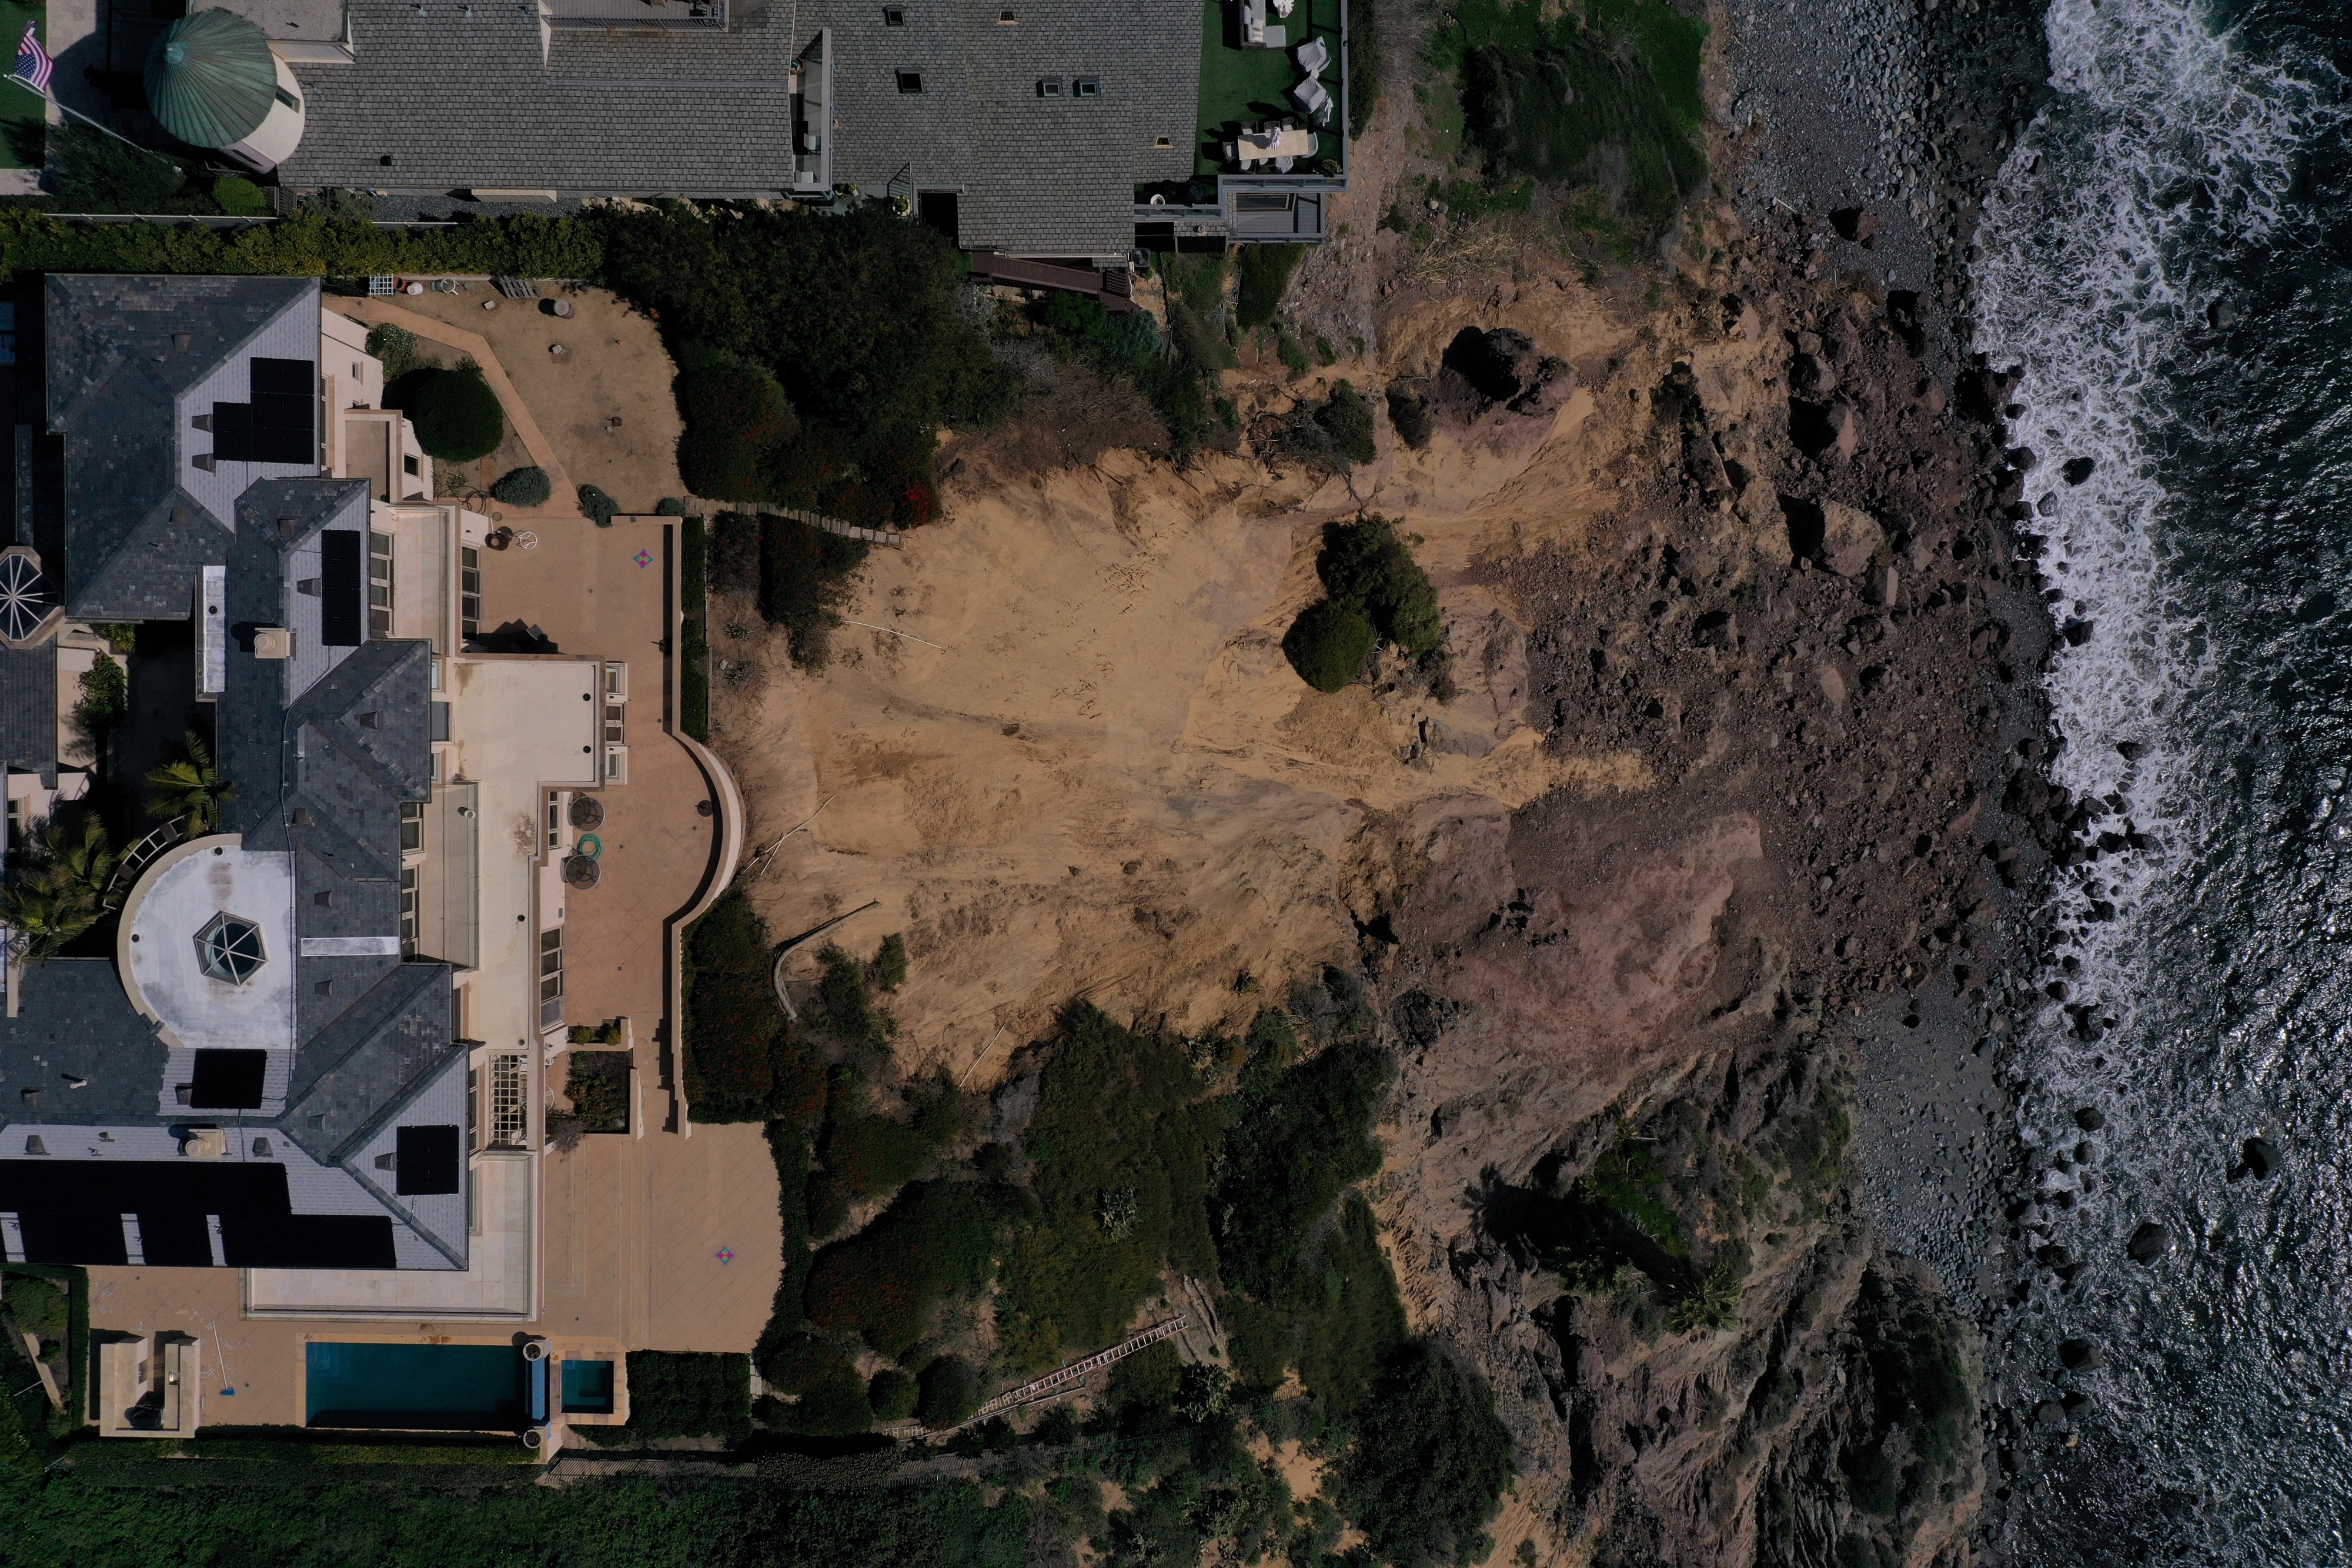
(427, 1161)
(343, 590)
(280, 424)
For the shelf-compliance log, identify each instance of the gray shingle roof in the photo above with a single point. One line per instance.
(458, 96)
(357, 1069)
(133, 538)
(1037, 176)
(73, 1017)
(28, 710)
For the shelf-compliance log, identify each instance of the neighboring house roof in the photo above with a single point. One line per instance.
(449, 95)
(126, 356)
(1034, 176)
(28, 711)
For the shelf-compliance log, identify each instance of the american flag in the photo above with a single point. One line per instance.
(33, 62)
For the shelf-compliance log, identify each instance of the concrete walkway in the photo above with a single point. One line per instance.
(383, 313)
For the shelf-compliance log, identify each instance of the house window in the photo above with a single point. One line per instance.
(408, 912)
(1004, 18)
(910, 82)
(1085, 86)
(551, 977)
(289, 100)
(1049, 87)
(379, 584)
(408, 465)
(469, 593)
(894, 15)
(554, 819)
(412, 826)
(1164, 142)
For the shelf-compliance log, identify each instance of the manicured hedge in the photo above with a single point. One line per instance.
(744, 1062)
(694, 631)
(305, 246)
(523, 487)
(689, 1393)
(830, 1397)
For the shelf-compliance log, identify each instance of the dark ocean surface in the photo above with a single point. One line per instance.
(2169, 253)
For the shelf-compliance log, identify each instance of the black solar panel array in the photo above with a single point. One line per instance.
(343, 588)
(280, 425)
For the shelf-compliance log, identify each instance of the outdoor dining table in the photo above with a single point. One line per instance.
(1256, 147)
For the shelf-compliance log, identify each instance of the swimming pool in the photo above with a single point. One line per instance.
(587, 1388)
(416, 1387)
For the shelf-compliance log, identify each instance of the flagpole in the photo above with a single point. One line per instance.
(93, 125)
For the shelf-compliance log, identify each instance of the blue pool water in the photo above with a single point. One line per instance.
(587, 1388)
(417, 1387)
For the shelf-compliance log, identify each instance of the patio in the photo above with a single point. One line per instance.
(1244, 86)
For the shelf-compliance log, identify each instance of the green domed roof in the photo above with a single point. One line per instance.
(211, 78)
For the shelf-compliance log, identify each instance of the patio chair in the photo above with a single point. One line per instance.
(1309, 96)
(1282, 165)
(1313, 55)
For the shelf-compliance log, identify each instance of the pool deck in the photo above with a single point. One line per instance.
(663, 1238)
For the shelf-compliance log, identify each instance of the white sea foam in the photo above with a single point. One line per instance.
(2098, 262)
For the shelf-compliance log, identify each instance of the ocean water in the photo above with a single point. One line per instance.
(2168, 254)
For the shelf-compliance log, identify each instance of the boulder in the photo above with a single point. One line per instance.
(1811, 375)
(2090, 1119)
(1850, 536)
(2149, 1242)
(1845, 429)
(2049, 1415)
(1704, 464)
(1554, 384)
(2078, 469)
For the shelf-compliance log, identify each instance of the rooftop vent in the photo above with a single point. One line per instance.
(910, 82)
(184, 340)
(33, 1144)
(894, 15)
(1049, 87)
(273, 643)
(1085, 86)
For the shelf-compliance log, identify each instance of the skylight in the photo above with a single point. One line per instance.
(229, 949)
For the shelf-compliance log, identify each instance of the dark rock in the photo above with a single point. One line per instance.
(2022, 458)
(1554, 384)
(2049, 1415)
(2076, 632)
(1810, 374)
(1858, 225)
(1704, 464)
(2090, 1119)
(1498, 365)
(2130, 750)
(2258, 1158)
(2050, 1255)
(2149, 1242)
(2078, 469)
(2080, 1355)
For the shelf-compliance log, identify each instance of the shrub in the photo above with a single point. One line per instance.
(736, 416)
(1265, 273)
(689, 1393)
(843, 1007)
(743, 1062)
(1299, 1138)
(867, 1154)
(1327, 644)
(595, 503)
(240, 197)
(394, 348)
(1347, 419)
(94, 173)
(892, 1394)
(456, 414)
(1364, 67)
(735, 552)
(1116, 1113)
(890, 963)
(1410, 416)
(1365, 565)
(1330, 1310)
(948, 1392)
(805, 574)
(523, 487)
(828, 1203)
(935, 1241)
(598, 1083)
(831, 1398)
(1429, 1460)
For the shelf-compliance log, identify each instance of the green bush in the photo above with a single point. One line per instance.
(456, 414)
(595, 503)
(1299, 1137)
(307, 245)
(890, 963)
(948, 1392)
(843, 1008)
(694, 627)
(736, 417)
(735, 552)
(1367, 566)
(743, 1063)
(95, 173)
(1329, 1309)
(1347, 419)
(1329, 644)
(892, 1395)
(1264, 274)
(830, 1396)
(394, 348)
(1430, 1460)
(936, 1240)
(689, 1393)
(240, 197)
(598, 1083)
(806, 575)
(523, 487)
(1117, 1114)
(867, 1154)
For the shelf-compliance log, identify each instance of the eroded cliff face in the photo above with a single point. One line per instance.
(1727, 634)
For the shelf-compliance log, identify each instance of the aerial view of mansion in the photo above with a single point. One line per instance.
(295, 1110)
(1025, 128)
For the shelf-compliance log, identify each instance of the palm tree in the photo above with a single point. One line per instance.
(89, 863)
(191, 787)
(43, 907)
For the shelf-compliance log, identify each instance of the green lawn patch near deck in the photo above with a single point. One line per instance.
(22, 113)
(1242, 87)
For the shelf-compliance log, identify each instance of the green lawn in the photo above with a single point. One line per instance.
(1240, 87)
(21, 113)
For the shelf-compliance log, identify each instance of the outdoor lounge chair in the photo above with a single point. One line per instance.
(1313, 55)
(1310, 96)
